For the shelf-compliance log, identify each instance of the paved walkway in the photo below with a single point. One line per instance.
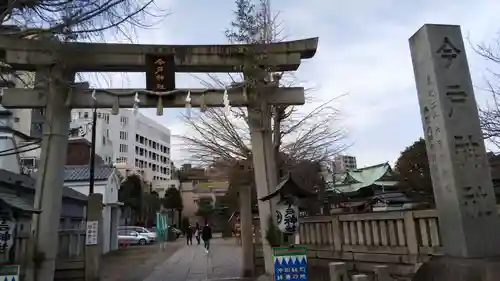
(192, 263)
(135, 263)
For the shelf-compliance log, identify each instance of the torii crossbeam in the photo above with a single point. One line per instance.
(24, 54)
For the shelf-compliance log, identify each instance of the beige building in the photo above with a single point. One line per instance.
(193, 191)
(161, 186)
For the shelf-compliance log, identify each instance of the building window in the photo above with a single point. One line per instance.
(85, 115)
(123, 147)
(123, 121)
(123, 160)
(123, 135)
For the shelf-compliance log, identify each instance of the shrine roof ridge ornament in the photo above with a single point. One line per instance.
(24, 54)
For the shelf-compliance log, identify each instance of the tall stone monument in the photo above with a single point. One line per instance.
(468, 217)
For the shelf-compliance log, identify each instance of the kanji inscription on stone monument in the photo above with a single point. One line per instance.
(448, 52)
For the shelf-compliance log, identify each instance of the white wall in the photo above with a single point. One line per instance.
(83, 188)
(104, 145)
(22, 120)
(113, 185)
(109, 191)
(9, 162)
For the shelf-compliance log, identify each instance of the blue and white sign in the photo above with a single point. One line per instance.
(9, 273)
(290, 263)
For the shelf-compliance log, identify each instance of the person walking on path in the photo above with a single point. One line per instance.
(189, 235)
(197, 233)
(206, 235)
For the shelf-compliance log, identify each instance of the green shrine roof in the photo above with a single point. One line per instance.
(353, 180)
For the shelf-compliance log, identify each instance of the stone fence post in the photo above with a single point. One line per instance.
(360, 277)
(411, 233)
(93, 252)
(338, 271)
(337, 234)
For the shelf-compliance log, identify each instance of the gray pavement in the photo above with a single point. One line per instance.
(192, 263)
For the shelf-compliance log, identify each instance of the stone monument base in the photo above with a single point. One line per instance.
(459, 269)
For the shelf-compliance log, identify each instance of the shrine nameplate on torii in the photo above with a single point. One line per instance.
(22, 54)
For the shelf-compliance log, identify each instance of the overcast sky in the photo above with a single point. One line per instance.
(363, 51)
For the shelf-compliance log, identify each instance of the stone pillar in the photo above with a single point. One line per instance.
(93, 252)
(360, 277)
(115, 223)
(246, 230)
(382, 273)
(338, 271)
(463, 190)
(261, 138)
(49, 185)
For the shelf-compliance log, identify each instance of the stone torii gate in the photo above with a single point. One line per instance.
(56, 64)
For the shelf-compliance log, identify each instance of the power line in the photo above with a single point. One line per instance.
(21, 146)
(16, 149)
(19, 152)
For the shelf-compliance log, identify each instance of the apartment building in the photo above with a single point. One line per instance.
(342, 163)
(135, 142)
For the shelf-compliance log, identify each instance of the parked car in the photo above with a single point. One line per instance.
(141, 230)
(132, 238)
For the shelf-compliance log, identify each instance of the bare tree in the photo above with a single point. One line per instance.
(490, 113)
(221, 137)
(77, 19)
(74, 20)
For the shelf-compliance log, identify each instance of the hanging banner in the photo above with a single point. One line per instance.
(161, 227)
(287, 217)
(290, 263)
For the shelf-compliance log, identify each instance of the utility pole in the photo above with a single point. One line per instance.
(92, 153)
(93, 249)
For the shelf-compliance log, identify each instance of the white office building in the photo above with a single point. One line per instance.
(135, 141)
(342, 163)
